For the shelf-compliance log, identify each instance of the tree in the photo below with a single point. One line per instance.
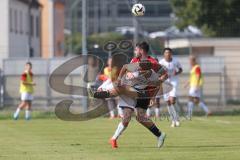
(214, 17)
(74, 42)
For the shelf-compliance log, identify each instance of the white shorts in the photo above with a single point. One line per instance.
(194, 92)
(26, 97)
(107, 85)
(173, 92)
(125, 101)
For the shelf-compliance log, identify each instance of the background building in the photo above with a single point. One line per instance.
(52, 28)
(106, 15)
(20, 29)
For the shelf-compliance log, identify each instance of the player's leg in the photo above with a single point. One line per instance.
(193, 94)
(28, 110)
(146, 122)
(170, 100)
(111, 105)
(149, 112)
(19, 108)
(120, 111)
(115, 92)
(157, 107)
(201, 102)
(174, 112)
(190, 107)
(204, 107)
(127, 113)
(29, 99)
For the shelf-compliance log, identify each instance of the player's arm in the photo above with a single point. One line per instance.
(180, 70)
(122, 73)
(162, 71)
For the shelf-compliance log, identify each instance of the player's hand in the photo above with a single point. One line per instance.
(34, 84)
(118, 83)
(129, 75)
(151, 103)
(175, 73)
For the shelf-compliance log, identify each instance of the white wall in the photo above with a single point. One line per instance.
(4, 38)
(18, 42)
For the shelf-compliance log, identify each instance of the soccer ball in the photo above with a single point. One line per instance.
(138, 9)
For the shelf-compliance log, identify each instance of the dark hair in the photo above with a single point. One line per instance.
(29, 63)
(145, 65)
(143, 45)
(167, 49)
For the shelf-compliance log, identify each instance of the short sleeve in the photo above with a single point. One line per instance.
(198, 71)
(24, 77)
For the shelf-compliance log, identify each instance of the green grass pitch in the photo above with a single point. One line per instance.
(213, 138)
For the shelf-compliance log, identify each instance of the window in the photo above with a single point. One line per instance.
(16, 21)
(20, 22)
(37, 26)
(151, 10)
(27, 23)
(164, 10)
(123, 10)
(32, 25)
(11, 20)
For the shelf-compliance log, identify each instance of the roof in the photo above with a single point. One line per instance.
(203, 42)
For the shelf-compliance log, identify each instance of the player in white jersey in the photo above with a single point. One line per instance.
(174, 68)
(133, 86)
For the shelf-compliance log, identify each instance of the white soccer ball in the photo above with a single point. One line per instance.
(138, 9)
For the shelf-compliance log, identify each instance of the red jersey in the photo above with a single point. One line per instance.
(154, 62)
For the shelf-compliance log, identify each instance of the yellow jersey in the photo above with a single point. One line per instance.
(110, 73)
(26, 77)
(196, 77)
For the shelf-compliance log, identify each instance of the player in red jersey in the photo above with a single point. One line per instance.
(142, 103)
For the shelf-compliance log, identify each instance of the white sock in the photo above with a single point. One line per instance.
(119, 130)
(203, 106)
(170, 112)
(112, 115)
(16, 113)
(190, 109)
(174, 113)
(27, 114)
(148, 112)
(157, 112)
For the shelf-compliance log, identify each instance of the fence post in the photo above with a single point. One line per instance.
(223, 93)
(1, 89)
(48, 90)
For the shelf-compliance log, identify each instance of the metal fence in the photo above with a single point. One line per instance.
(213, 69)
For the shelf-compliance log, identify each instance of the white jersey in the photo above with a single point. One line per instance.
(141, 82)
(171, 67)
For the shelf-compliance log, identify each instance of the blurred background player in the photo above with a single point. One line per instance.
(111, 74)
(195, 84)
(155, 105)
(26, 91)
(174, 68)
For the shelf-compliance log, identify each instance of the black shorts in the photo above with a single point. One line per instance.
(143, 101)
